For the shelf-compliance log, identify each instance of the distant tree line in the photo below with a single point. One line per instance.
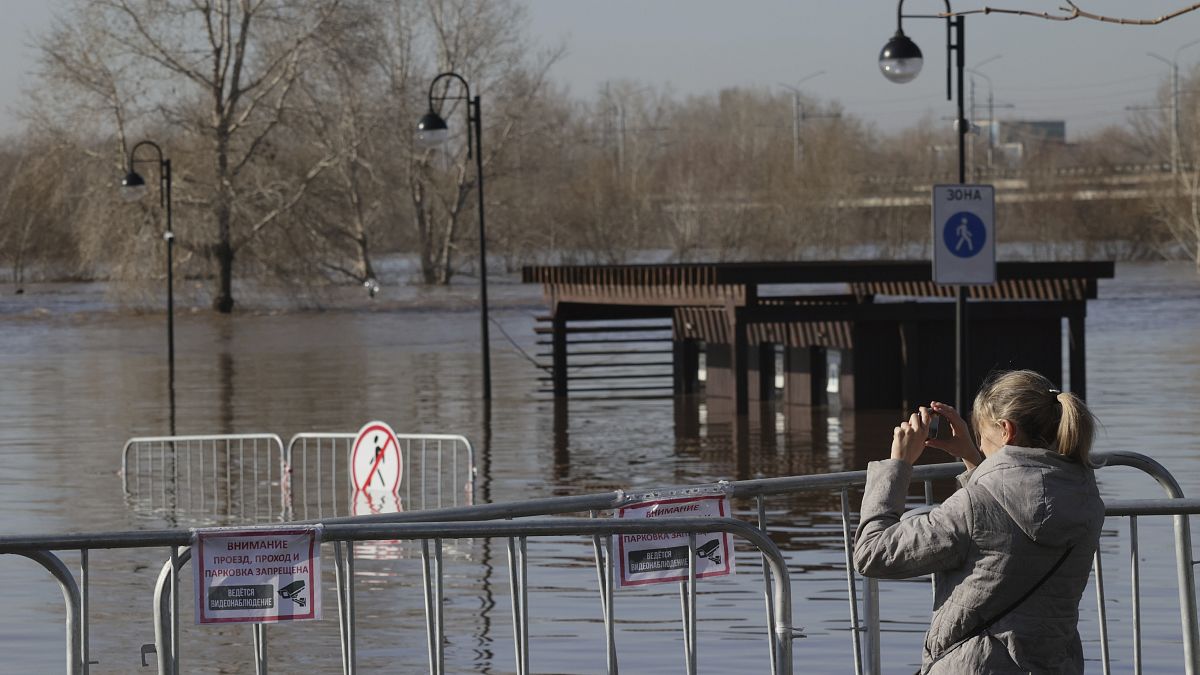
(289, 125)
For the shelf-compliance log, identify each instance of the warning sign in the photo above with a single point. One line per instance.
(375, 459)
(257, 575)
(660, 557)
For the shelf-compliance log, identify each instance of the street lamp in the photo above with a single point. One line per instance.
(991, 106)
(799, 115)
(900, 60)
(133, 188)
(432, 131)
(1174, 64)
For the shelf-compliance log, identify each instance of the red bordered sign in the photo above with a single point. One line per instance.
(257, 575)
(661, 557)
(375, 463)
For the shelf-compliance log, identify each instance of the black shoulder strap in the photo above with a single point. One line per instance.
(978, 630)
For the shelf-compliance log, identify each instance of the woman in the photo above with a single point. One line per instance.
(1012, 549)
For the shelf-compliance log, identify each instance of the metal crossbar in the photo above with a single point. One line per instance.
(433, 525)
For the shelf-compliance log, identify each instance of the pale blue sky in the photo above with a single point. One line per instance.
(1082, 71)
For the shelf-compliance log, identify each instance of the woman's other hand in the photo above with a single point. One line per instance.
(960, 443)
(908, 439)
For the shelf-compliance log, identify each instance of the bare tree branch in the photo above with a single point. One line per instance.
(1072, 11)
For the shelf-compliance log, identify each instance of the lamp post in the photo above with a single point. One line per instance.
(900, 60)
(991, 106)
(431, 131)
(133, 188)
(798, 116)
(1174, 64)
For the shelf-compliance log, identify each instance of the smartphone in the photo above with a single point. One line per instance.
(938, 427)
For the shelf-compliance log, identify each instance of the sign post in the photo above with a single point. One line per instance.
(257, 575)
(964, 254)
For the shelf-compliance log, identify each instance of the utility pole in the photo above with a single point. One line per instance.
(1174, 65)
(798, 117)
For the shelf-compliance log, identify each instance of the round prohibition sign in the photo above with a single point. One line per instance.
(375, 462)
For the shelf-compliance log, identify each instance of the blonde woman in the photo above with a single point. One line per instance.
(1012, 549)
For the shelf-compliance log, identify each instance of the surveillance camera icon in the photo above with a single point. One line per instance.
(709, 550)
(292, 592)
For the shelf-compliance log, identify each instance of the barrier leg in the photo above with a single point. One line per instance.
(603, 565)
(430, 609)
(1136, 590)
(84, 583)
(768, 592)
(517, 607)
(855, 626)
(166, 626)
(439, 603)
(351, 624)
(343, 624)
(70, 592)
(174, 609)
(259, 636)
(1103, 614)
(871, 609)
(524, 571)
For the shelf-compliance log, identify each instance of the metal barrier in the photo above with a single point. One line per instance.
(439, 471)
(167, 604)
(759, 490)
(230, 476)
(255, 478)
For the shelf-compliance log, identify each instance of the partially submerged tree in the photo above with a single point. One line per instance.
(484, 41)
(216, 77)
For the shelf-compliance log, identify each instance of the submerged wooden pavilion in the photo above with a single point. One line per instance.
(892, 327)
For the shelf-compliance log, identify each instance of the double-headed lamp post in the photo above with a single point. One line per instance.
(901, 61)
(432, 131)
(133, 188)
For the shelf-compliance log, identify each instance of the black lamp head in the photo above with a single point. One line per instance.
(431, 130)
(900, 60)
(133, 186)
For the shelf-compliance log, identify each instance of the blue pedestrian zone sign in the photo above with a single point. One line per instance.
(965, 234)
(964, 241)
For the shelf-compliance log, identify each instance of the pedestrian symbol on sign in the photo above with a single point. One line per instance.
(965, 234)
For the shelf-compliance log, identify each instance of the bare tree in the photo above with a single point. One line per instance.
(214, 74)
(485, 42)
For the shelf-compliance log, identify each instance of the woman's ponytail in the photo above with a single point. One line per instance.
(1076, 428)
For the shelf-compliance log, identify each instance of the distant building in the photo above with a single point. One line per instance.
(1030, 131)
(1012, 140)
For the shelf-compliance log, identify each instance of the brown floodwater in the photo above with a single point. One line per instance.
(79, 376)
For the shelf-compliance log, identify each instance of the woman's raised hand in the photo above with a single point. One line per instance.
(908, 439)
(960, 443)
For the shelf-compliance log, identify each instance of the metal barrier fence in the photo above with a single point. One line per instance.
(167, 624)
(439, 471)
(256, 478)
(232, 476)
(866, 656)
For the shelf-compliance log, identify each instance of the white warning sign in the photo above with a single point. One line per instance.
(257, 575)
(375, 462)
(662, 557)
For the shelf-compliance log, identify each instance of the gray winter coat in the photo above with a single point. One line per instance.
(988, 545)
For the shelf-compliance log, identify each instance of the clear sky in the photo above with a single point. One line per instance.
(1082, 71)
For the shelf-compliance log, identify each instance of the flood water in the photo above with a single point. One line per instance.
(79, 376)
